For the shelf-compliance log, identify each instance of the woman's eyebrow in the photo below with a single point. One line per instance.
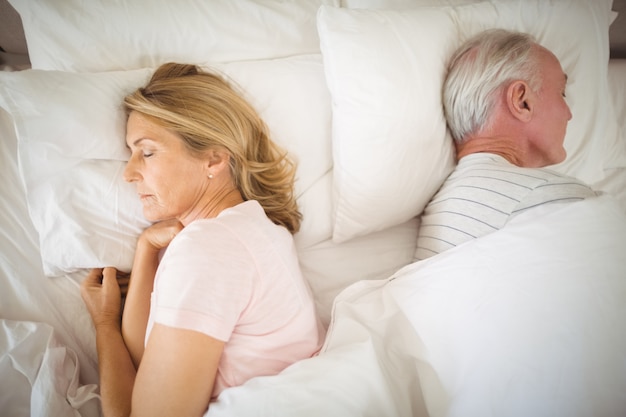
(136, 142)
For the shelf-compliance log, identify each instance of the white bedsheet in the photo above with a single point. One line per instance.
(527, 321)
(25, 293)
(45, 330)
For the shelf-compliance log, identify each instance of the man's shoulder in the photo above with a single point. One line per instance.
(496, 165)
(486, 168)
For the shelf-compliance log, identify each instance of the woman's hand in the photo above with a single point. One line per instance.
(102, 295)
(160, 234)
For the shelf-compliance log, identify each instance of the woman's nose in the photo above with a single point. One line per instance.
(130, 171)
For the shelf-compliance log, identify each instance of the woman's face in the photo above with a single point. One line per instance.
(171, 183)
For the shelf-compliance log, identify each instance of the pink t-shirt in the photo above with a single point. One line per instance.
(236, 278)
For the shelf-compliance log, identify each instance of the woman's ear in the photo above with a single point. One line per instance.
(217, 161)
(519, 99)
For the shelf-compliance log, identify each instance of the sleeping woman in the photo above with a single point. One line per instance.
(227, 301)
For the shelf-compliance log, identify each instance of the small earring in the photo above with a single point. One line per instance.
(210, 176)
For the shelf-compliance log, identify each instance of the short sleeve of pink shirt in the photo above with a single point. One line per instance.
(236, 278)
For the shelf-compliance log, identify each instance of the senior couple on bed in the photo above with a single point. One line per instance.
(227, 301)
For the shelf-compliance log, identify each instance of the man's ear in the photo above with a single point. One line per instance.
(519, 98)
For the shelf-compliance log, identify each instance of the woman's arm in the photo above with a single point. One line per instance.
(177, 373)
(101, 294)
(178, 369)
(137, 305)
(145, 263)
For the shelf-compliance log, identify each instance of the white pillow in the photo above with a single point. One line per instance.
(101, 35)
(71, 132)
(384, 69)
(389, 134)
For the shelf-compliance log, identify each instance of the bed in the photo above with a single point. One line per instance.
(527, 321)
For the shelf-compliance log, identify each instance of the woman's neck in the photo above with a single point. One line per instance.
(212, 205)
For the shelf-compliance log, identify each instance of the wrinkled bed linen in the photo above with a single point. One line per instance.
(40, 377)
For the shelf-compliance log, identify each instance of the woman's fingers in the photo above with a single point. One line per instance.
(94, 277)
(101, 295)
(109, 280)
(123, 279)
(160, 234)
(104, 278)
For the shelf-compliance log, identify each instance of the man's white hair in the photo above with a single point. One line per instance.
(478, 71)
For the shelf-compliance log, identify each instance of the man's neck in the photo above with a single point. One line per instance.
(505, 147)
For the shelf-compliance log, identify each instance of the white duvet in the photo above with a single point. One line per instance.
(527, 321)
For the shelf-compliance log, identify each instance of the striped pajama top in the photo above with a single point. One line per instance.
(482, 193)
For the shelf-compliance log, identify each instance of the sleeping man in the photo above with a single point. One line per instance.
(504, 100)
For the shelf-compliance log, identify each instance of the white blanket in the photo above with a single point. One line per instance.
(527, 321)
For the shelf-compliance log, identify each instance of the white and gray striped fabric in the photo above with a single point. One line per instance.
(482, 194)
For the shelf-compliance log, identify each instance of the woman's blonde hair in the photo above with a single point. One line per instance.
(207, 113)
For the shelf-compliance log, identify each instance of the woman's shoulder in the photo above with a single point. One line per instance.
(249, 209)
(246, 221)
(231, 219)
(242, 235)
